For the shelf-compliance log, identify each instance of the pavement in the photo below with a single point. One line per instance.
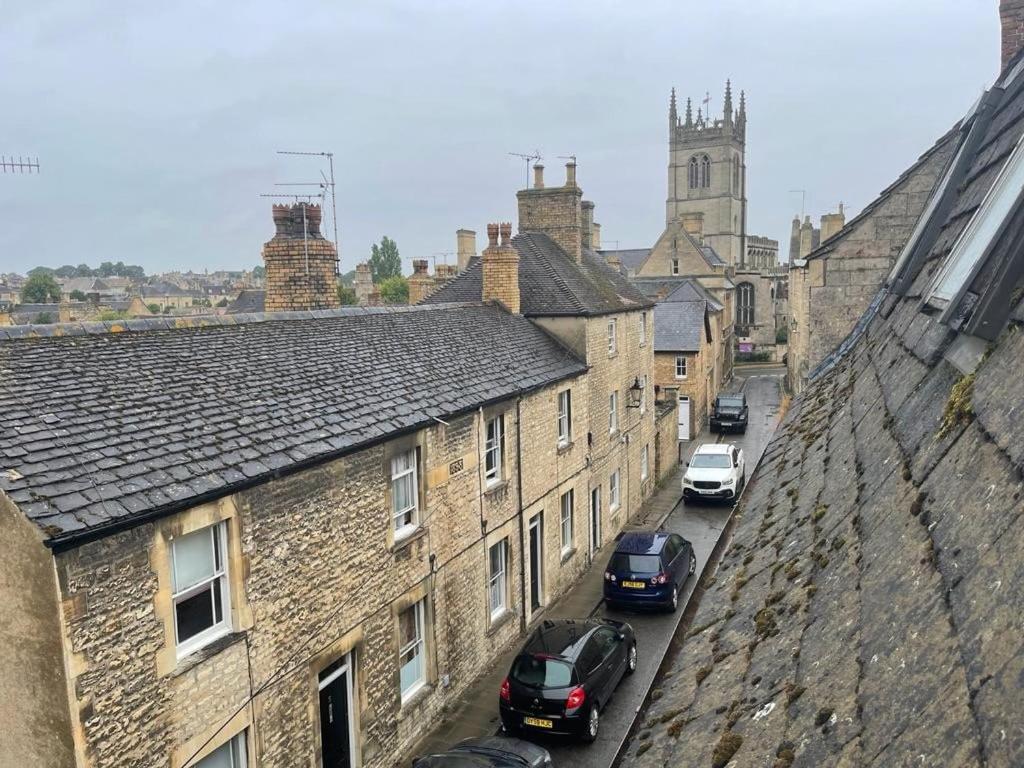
(476, 713)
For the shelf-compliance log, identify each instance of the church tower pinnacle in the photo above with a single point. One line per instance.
(727, 111)
(689, 113)
(673, 120)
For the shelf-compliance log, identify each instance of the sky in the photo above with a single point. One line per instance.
(157, 124)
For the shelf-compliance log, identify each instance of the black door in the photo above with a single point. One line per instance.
(334, 717)
(536, 558)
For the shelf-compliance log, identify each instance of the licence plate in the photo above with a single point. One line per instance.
(538, 722)
(702, 490)
(633, 584)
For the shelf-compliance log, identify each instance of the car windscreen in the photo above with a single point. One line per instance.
(710, 461)
(623, 563)
(541, 672)
(730, 402)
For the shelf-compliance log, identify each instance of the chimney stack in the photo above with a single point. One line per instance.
(555, 212)
(301, 264)
(832, 223)
(538, 176)
(363, 284)
(501, 268)
(595, 236)
(466, 247)
(421, 284)
(587, 219)
(1011, 20)
(794, 240)
(806, 237)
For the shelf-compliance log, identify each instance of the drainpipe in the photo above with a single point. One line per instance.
(519, 494)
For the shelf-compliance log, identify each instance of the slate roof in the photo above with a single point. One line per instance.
(630, 258)
(684, 288)
(99, 429)
(868, 608)
(551, 283)
(678, 325)
(249, 300)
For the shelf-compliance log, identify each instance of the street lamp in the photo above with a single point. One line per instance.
(636, 393)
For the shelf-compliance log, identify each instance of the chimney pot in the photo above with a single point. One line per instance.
(538, 176)
(419, 266)
(492, 235)
(506, 232)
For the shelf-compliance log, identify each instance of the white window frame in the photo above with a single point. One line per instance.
(643, 329)
(494, 451)
(962, 264)
(613, 332)
(564, 417)
(418, 645)
(643, 394)
(237, 747)
(613, 491)
(675, 266)
(218, 542)
(645, 461)
(497, 579)
(682, 359)
(413, 512)
(613, 412)
(566, 504)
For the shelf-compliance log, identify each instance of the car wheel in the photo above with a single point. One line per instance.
(693, 563)
(675, 599)
(592, 726)
(631, 659)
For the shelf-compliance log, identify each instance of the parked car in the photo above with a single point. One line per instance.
(648, 569)
(565, 675)
(729, 412)
(488, 752)
(715, 471)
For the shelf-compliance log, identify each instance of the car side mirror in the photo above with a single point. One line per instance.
(687, 463)
(622, 637)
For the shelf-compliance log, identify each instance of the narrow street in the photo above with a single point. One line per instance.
(701, 524)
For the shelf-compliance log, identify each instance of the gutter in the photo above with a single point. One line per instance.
(519, 504)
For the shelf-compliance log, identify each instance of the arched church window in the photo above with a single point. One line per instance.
(693, 173)
(745, 304)
(705, 171)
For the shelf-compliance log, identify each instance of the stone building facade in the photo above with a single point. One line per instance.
(831, 286)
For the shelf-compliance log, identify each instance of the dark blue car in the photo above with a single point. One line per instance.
(648, 569)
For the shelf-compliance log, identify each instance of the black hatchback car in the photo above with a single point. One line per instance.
(565, 675)
(648, 569)
(488, 752)
(729, 412)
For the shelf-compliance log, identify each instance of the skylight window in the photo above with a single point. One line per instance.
(964, 260)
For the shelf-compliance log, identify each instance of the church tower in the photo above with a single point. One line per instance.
(707, 173)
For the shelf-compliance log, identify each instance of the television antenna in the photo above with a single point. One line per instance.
(21, 165)
(803, 200)
(305, 224)
(527, 159)
(325, 184)
(568, 157)
(444, 257)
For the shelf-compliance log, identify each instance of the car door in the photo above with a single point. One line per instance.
(669, 553)
(613, 659)
(676, 542)
(590, 666)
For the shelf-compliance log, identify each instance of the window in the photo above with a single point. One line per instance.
(680, 366)
(643, 394)
(201, 594)
(705, 171)
(411, 649)
(566, 505)
(745, 304)
(564, 417)
(613, 412)
(494, 449)
(613, 491)
(612, 340)
(693, 173)
(498, 581)
(643, 328)
(404, 493)
(675, 266)
(229, 755)
(644, 463)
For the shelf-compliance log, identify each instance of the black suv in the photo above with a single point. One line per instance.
(729, 412)
(564, 676)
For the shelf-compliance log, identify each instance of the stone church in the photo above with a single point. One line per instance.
(705, 234)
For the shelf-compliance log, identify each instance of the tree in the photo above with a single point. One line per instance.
(222, 303)
(40, 271)
(384, 260)
(347, 278)
(154, 308)
(77, 295)
(347, 296)
(40, 288)
(394, 290)
(43, 318)
(259, 272)
(68, 270)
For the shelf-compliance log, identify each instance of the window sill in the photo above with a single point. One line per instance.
(564, 447)
(194, 658)
(408, 538)
(499, 621)
(495, 488)
(614, 508)
(567, 555)
(414, 699)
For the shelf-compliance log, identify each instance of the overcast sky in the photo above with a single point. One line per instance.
(156, 124)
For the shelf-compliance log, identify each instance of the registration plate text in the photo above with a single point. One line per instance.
(633, 584)
(538, 722)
